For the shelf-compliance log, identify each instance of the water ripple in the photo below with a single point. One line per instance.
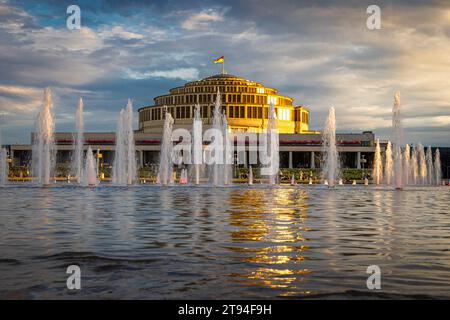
(231, 242)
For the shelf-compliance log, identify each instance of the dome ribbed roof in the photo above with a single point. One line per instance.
(222, 76)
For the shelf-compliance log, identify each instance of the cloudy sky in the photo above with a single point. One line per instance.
(319, 52)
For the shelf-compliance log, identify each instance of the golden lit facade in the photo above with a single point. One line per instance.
(246, 104)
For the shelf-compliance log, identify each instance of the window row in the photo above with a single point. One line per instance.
(227, 98)
(235, 88)
(301, 116)
(249, 112)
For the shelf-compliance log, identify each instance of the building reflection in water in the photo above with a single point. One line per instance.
(268, 238)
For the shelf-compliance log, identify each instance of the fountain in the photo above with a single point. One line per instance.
(77, 158)
(90, 174)
(414, 166)
(197, 143)
(124, 167)
(340, 182)
(430, 168)
(3, 164)
(378, 165)
(330, 154)
(437, 167)
(403, 166)
(165, 171)
(422, 164)
(250, 176)
(293, 182)
(228, 151)
(407, 165)
(183, 176)
(43, 150)
(397, 139)
(273, 145)
(388, 168)
(218, 173)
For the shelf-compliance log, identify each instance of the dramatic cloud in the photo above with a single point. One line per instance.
(29, 100)
(318, 52)
(119, 32)
(182, 73)
(202, 19)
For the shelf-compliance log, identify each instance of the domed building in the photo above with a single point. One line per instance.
(246, 104)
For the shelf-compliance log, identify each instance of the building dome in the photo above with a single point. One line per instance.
(245, 102)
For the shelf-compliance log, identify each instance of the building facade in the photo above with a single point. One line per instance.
(296, 150)
(246, 104)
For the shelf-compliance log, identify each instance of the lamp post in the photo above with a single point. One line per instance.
(363, 161)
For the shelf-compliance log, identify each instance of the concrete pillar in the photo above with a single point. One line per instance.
(290, 160)
(313, 164)
(358, 160)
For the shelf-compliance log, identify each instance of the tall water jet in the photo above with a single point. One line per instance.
(250, 176)
(437, 167)
(330, 157)
(397, 139)
(293, 182)
(388, 165)
(430, 168)
(131, 152)
(183, 176)
(197, 143)
(377, 164)
(3, 164)
(273, 145)
(165, 171)
(90, 174)
(118, 174)
(407, 165)
(124, 167)
(43, 149)
(422, 164)
(414, 166)
(216, 147)
(77, 157)
(227, 151)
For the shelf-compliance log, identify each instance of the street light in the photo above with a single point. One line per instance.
(363, 161)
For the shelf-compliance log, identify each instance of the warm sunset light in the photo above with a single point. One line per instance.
(233, 157)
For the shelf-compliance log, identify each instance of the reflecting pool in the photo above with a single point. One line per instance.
(241, 242)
